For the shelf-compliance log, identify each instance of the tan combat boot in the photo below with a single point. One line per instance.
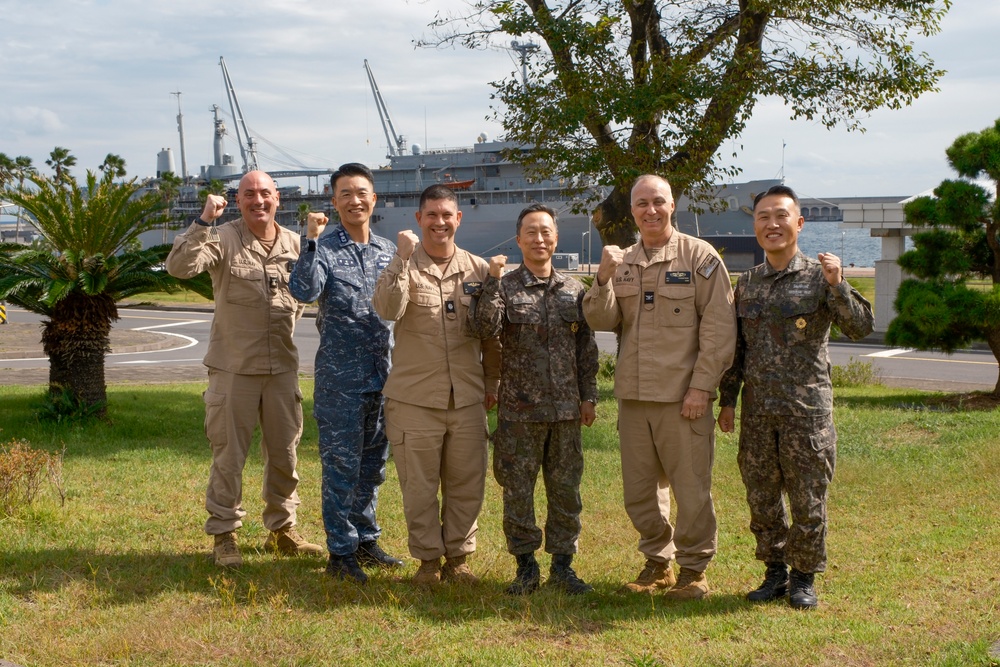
(287, 541)
(690, 585)
(656, 574)
(226, 551)
(429, 573)
(455, 569)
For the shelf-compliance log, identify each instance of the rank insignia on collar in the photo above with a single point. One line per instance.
(800, 323)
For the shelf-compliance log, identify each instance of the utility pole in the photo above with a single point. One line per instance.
(180, 129)
(524, 49)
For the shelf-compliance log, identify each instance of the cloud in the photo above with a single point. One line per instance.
(31, 121)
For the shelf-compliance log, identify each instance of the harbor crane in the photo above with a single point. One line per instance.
(248, 146)
(396, 142)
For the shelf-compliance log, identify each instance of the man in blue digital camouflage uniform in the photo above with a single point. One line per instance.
(788, 442)
(352, 363)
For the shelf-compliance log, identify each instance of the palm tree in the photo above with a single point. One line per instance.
(6, 170)
(22, 169)
(61, 160)
(88, 262)
(170, 189)
(114, 164)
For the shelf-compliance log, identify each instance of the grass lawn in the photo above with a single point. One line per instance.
(120, 575)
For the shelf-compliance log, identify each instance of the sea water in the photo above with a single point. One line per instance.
(853, 246)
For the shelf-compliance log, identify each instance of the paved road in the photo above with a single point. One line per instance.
(182, 338)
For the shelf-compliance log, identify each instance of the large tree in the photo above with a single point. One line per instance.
(625, 87)
(938, 308)
(89, 260)
(60, 159)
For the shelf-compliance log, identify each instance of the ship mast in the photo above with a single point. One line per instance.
(249, 151)
(180, 129)
(396, 142)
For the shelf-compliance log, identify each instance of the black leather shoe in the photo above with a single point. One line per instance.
(562, 576)
(346, 568)
(370, 554)
(775, 584)
(801, 594)
(528, 576)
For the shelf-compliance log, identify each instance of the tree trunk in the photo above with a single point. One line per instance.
(993, 340)
(76, 339)
(613, 219)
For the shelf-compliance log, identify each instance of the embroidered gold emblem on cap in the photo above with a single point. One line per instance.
(800, 323)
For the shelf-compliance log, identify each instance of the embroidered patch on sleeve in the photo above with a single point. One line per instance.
(708, 267)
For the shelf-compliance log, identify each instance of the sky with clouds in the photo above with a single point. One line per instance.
(96, 76)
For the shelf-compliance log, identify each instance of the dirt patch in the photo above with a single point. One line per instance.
(972, 401)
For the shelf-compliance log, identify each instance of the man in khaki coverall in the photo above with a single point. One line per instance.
(672, 297)
(442, 381)
(252, 362)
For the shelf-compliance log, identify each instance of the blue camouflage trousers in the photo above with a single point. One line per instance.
(352, 450)
(519, 450)
(796, 455)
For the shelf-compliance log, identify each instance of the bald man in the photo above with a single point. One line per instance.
(252, 362)
(671, 296)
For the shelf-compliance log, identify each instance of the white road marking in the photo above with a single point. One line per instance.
(890, 353)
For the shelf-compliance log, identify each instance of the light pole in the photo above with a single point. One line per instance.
(585, 237)
(843, 235)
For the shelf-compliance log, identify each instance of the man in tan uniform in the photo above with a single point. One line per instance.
(672, 297)
(442, 381)
(252, 362)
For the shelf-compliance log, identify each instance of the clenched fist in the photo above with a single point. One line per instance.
(497, 262)
(214, 207)
(315, 224)
(406, 243)
(832, 270)
(611, 258)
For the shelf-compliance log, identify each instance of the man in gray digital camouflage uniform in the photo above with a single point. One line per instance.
(352, 363)
(548, 387)
(785, 307)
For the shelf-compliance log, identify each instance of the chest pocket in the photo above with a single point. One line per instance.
(246, 286)
(423, 313)
(675, 306)
(521, 309)
(803, 321)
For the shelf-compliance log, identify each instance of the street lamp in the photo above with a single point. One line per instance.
(585, 237)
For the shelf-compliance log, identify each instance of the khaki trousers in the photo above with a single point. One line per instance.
(435, 449)
(661, 451)
(234, 404)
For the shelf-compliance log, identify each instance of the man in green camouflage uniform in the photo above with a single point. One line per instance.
(785, 307)
(548, 388)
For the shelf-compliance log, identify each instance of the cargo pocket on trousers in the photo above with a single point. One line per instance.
(396, 438)
(215, 417)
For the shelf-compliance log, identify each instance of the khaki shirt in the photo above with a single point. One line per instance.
(436, 356)
(254, 312)
(677, 317)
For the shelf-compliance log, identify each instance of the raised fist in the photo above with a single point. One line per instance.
(406, 243)
(611, 258)
(315, 224)
(214, 207)
(497, 262)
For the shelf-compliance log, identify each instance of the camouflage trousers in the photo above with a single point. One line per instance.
(519, 450)
(794, 455)
(353, 450)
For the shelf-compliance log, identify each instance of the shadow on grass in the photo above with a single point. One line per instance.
(83, 576)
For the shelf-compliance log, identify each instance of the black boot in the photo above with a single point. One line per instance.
(347, 568)
(775, 584)
(801, 594)
(562, 576)
(370, 554)
(528, 576)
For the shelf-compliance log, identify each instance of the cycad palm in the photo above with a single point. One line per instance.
(88, 263)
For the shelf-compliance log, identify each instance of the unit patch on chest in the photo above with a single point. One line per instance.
(472, 286)
(346, 261)
(677, 278)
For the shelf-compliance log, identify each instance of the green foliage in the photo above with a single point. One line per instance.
(61, 405)
(606, 366)
(937, 308)
(88, 260)
(621, 89)
(855, 373)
